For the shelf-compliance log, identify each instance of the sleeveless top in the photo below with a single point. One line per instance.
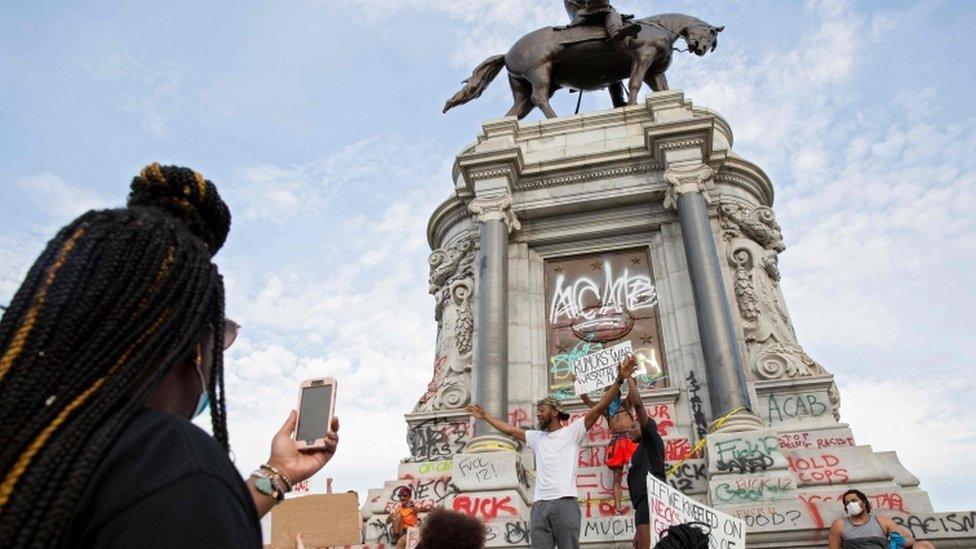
(869, 535)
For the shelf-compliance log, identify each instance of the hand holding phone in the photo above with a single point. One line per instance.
(299, 461)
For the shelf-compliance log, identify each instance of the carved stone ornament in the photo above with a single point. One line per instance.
(685, 179)
(753, 242)
(489, 208)
(452, 284)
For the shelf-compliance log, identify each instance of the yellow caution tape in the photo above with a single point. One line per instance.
(701, 442)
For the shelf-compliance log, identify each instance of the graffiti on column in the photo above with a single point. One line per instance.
(433, 440)
(694, 397)
(598, 300)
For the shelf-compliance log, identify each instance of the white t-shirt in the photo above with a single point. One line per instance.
(556, 460)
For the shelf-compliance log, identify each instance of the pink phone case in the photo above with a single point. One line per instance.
(316, 382)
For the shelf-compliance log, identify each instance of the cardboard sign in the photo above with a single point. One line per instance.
(669, 507)
(323, 520)
(599, 369)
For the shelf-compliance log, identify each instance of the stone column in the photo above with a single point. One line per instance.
(727, 389)
(497, 220)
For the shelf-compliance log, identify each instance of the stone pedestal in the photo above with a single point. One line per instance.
(568, 235)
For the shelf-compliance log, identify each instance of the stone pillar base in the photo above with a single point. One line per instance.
(490, 443)
(742, 421)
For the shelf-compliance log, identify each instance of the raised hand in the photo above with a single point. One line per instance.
(476, 411)
(627, 367)
(300, 465)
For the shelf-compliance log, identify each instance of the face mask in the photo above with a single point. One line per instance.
(204, 400)
(853, 508)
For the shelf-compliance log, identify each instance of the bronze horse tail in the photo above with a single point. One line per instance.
(475, 84)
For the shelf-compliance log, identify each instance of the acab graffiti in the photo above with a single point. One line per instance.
(569, 300)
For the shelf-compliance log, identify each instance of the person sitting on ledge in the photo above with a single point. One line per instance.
(862, 530)
(403, 516)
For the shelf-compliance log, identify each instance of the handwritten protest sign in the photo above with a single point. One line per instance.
(668, 507)
(599, 369)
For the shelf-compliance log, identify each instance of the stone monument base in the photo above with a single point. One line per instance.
(573, 195)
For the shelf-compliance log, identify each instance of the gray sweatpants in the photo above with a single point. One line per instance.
(555, 523)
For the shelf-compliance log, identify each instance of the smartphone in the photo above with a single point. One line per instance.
(316, 404)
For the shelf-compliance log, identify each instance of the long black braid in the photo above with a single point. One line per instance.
(116, 299)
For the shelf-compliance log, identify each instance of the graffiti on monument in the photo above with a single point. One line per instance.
(697, 414)
(793, 407)
(751, 489)
(821, 469)
(746, 454)
(934, 525)
(433, 440)
(815, 440)
(486, 507)
(594, 301)
(508, 532)
(690, 476)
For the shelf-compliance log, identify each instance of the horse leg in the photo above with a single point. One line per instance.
(617, 94)
(522, 93)
(542, 89)
(657, 82)
(638, 69)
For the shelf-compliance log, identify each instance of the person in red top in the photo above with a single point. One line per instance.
(402, 516)
(621, 446)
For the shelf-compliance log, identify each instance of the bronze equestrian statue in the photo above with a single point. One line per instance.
(581, 57)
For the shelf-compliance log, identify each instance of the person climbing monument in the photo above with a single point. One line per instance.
(647, 458)
(623, 433)
(555, 518)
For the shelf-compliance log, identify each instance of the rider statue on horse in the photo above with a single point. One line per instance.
(600, 12)
(579, 56)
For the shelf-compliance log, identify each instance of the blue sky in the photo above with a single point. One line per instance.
(320, 123)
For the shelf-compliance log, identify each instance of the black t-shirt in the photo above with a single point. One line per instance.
(165, 483)
(648, 458)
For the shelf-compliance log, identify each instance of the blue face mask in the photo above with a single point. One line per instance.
(204, 400)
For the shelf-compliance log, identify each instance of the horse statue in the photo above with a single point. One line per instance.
(582, 58)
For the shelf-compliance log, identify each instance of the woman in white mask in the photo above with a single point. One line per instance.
(862, 530)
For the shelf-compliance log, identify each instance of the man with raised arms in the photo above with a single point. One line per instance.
(555, 518)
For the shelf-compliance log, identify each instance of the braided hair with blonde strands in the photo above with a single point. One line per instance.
(116, 299)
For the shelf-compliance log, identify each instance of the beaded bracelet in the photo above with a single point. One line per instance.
(265, 484)
(276, 472)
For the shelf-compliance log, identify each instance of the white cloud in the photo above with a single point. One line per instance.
(484, 27)
(59, 199)
(17, 253)
(359, 311)
(362, 171)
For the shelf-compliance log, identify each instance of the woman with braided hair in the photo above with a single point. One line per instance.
(113, 342)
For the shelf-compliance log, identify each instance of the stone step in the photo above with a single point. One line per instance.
(816, 508)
